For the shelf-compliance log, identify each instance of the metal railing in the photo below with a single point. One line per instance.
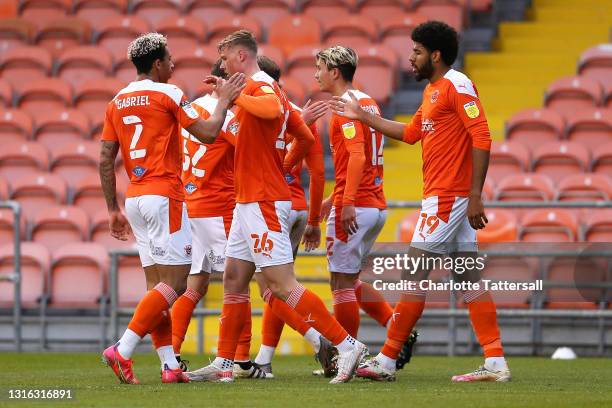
(15, 277)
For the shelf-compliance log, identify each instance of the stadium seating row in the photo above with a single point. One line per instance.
(49, 277)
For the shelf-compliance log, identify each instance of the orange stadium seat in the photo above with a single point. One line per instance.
(377, 73)
(55, 226)
(22, 65)
(381, 10)
(92, 97)
(40, 12)
(60, 35)
(574, 271)
(192, 65)
(507, 157)
(295, 90)
(395, 32)
(590, 127)
(59, 126)
(292, 32)
(535, 126)
(96, 11)
(559, 159)
(602, 159)
(502, 226)
(596, 63)
(88, 193)
(35, 262)
(132, 282)
(88, 261)
(15, 32)
(327, 10)
(350, 31)
(15, 125)
(525, 187)
(4, 189)
(100, 232)
(408, 225)
(125, 71)
(75, 160)
(6, 93)
(182, 31)
(301, 64)
(8, 9)
(268, 11)
(115, 34)
(220, 28)
(585, 187)
(44, 94)
(567, 95)
(598, 226)
(84, 64)
(38, 191)
(155, 10)
(22, 158)
(97, 124)
(274, 53)
(548, 225)
(503, 268)
(210, 11)
(7, 220)
(452, 12)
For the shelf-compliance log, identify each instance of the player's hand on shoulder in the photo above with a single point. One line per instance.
(312, 237)
(348, 219)
(313, 111)
(476, 213)
(347, 108)
(119, 225)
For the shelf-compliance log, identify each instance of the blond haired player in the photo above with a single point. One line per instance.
(453, 131)
(143, 120)
(259, 235)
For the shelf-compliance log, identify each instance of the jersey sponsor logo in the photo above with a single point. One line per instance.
(471, 108)
(189, 110)
(267, 89)
(349, 131)
(434, 96)
(262, 245)
(190, 188)
(139, 171)
(427, 125)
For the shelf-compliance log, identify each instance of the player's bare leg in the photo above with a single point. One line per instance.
(483, 316)
(182, 310)
(236, 300)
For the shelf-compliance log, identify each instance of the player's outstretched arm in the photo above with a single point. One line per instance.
(119, 225)
(206, 131)
(352, 110)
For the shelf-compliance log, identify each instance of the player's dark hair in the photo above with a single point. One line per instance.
(438, 36)
(267, 65)
(145, 50)
(243, 38)
(217, 71)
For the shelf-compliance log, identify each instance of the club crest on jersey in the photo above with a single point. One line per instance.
(233, 128)
(190, 188)
(189, 110)
(267, 89)
(139, 171)
(187, 250)
(434, 96)
(348, 129)
(377, 181)
(471, 109)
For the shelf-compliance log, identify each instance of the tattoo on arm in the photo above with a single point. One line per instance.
(108, 153)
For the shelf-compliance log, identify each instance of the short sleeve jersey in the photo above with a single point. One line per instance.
(449, 123)
(208, 168)
(345, 132)
(258, 169)
(145, 118)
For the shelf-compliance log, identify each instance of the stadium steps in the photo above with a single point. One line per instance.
(552, 40)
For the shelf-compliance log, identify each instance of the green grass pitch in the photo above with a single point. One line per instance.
(537, 382)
